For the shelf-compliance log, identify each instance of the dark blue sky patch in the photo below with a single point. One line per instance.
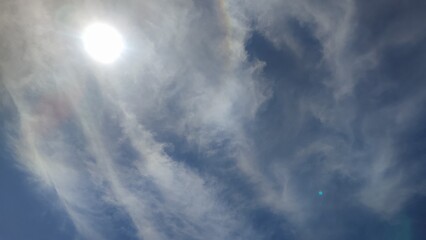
(276, 59)
(271, 225)
(27, 213)
(385, 22)
(411, 223)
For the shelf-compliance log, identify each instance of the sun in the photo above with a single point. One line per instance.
(103, 42)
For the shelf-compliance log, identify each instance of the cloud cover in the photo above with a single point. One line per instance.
(220, 113)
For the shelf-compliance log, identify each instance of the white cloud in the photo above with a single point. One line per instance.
(182, 69)
(98, 135)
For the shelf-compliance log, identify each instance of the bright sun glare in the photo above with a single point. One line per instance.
(103, 42)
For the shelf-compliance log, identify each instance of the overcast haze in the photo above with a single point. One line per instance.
(221, 119)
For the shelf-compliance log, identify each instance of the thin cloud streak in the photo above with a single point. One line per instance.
(67, 112)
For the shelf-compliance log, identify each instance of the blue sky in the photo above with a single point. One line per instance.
(221, 119)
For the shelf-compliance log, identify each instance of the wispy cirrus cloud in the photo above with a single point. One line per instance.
(337, 103)
(218, 113)
(88, 131)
